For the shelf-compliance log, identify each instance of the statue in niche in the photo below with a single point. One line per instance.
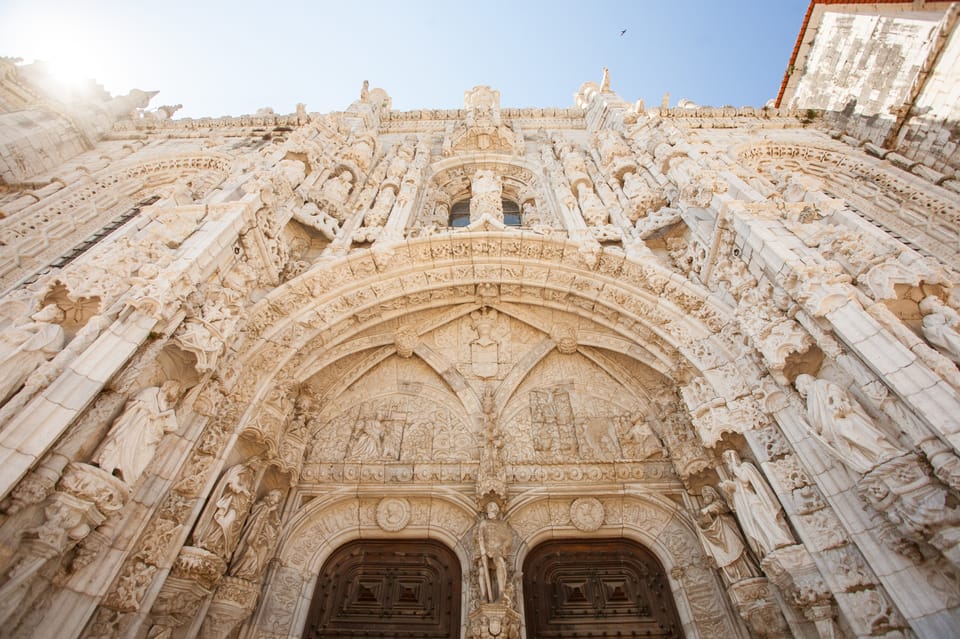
(219, 526)
(494, 543)
(756, 506)
(843, 426)
(25, 347)
(940, 325)
(485, 199)
(722, 539)
(132, 441)
(259, 538)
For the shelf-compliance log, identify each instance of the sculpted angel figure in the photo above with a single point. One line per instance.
(756, 506)
(843, 426)
(136, 433)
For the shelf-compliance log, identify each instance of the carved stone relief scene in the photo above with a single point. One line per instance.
(488, 372)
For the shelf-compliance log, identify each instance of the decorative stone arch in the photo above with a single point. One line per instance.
(920, 213)
(641, 301)
(327, 523)
(450, 178)
(649, 519)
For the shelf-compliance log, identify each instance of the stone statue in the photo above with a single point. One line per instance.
(259, 538)
(494, 542)
(940, 324)
(23, 348)
(219, 525)
(756, 506)
(136, 433)
(594, 213)
(336, 189)
(843, 426)
(722, 539)
(485, 198)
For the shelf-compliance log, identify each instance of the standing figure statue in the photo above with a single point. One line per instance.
(843, 426)
(756, 506)
(136, 433)
(219, 525)
(494, 541)
(721, 538)
(259, 538)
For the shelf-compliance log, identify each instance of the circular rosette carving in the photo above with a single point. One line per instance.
(393, 514)
(586, 513)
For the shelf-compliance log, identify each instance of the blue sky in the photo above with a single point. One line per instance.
(220, 58)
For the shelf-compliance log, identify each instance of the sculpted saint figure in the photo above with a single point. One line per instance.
(494, 541)
(721, 537)
(218, 527)
(940, 324)
(136, 433)
(23, 348)
(843, 426)
(259, 538)
(756, 506)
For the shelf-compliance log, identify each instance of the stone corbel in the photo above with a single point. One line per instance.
(793, 570)
(914, 503)
(494, 621)
(233, 602)
(194, 575)
(84, 497)
(755, 601)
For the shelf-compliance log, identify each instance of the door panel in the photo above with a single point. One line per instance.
(389, 589)
(605, 587)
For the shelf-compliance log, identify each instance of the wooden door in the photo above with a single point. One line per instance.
(597, 588)
(402, 589)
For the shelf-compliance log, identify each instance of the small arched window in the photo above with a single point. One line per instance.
(460, 214)
(511, 213)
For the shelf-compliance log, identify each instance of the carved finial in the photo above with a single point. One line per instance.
(665, 103)
(365, 90)
(605, 82)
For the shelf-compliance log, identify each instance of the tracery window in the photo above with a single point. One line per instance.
(511, 213)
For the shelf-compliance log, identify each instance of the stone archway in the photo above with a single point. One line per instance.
(614, 587)
(395, 589)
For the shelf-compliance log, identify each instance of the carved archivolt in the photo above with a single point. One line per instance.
(655, 522)
(325, 524)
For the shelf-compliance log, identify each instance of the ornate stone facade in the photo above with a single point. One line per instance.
(715, 333)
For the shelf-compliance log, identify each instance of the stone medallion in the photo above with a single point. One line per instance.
(586, 513)
(393, 514)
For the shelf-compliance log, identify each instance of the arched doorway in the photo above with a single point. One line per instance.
(397, 589)
(599, 588)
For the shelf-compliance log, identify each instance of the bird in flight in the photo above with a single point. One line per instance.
(623, 32)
